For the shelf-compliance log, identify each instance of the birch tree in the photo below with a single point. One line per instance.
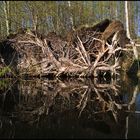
(128, 31)
(127, 19)
(6, 12)
(71, 17)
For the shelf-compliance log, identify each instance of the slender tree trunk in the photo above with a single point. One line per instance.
(138, 18)
(71, 18)
(58, 16)
(0, 29)
(34, 18)
(35, 21)
(128, 32)
(116, 10)
(6, 11)
(127, 19)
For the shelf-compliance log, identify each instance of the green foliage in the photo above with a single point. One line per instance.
(4, 70)
(47, 16)
(4, 83)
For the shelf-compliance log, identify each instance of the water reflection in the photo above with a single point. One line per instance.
(91, 108)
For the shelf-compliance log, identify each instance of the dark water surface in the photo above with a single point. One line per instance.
(73, 108)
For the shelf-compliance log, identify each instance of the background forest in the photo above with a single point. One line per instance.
(61, 16)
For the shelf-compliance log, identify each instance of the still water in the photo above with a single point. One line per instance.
(70, 108)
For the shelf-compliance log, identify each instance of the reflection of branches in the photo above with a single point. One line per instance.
(6, 123)
(132, 101)
(83, 102)
(8, 127)
(102, 96)
(76, 94)
(42, 98)
(7, 90)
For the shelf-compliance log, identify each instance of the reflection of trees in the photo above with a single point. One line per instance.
(38, 99)
(91, 99)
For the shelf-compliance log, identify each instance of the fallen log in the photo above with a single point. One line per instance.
(83, 54)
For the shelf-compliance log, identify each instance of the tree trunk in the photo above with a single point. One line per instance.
(116, 11)
(35, 21)
(128, 31)
(127, 19)
(6, 11)
(138, 19)
(71, 18)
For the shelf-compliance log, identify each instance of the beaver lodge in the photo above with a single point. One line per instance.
(84, 52)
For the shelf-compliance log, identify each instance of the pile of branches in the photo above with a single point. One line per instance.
(84, 52)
